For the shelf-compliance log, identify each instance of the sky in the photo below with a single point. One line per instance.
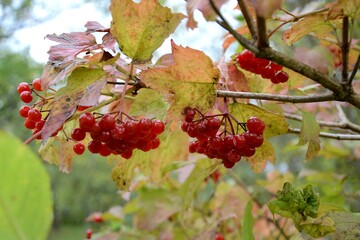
(72, 19)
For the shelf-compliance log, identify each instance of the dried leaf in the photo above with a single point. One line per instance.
(204, 7)
(190, 79)
(237, 81)
(266, 8)
(66, 154)
(134, 26)
(93, 26)
(67, 98)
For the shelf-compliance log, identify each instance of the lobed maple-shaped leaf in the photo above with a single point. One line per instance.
(141, 28)
(67, 98)
(309, 133)
(204, 7)
(191, 80)
(317, 24)
(70, 45)
(108, 41)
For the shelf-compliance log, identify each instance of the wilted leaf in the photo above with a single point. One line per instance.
(309, 133)
(248, 222)
(66, 154)
(71, 44)
(275, 124)
(318, 227)
(140, 28)
(191, 80)
(204, 7)
(237, 81)
(317, 24)
(25, 192)
(93, 26)
(67, 98)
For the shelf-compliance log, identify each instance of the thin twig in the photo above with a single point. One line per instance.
(341, 125)
(275, 97)
(337, 136)
(354, 71)
(249, 20)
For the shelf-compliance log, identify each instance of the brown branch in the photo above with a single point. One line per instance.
(276, 97)
(249, 21)
(354, 71)
(336, 136)
(345, 51)
(262, 41)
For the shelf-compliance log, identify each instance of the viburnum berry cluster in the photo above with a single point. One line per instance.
(217, 135)
(110, 135)
(267, 69)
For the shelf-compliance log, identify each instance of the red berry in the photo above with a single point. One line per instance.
(79, 148)
(105, 150)
(234, 156)
(86, 121)
(40, 124)
(23, 87)
(268, 72)
(189, 114)
(29, 124)
(130, 128)
(144, 125)
(228, 164)
(193, 147)
(24, 110)
(282, 77)
(127, 154)
(78, 134)
(89, 233)
(255, 125)
(26, 96)
(155, 143)
(82, 108)
(34, 115)
(36, 83)
(107, 122)
(276, 66)
(158, 127)
(98, 218)
(94, 146)
(219, 236)
(118, 132)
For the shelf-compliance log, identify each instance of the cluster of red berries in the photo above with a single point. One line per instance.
(229, 146)
(112, 136)
(25, 90)
(267, 69)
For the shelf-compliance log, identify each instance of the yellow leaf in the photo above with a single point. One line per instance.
(140, 28)
(309, 133)
(190, 80)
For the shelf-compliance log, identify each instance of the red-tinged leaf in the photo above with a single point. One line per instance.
(316, 57)
(229, 39)
(55, 71)
(93, 26)
(140, 28)
(309, 133)
(236, 79)
(204, 7)
(266, 8)
(345, 7)
(71, 44)
(190, 80)
(67, 98)
(317, 24)
(66, 154)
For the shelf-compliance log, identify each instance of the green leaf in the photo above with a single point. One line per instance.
(318, 227)
(248, 222)
(262, 155)
(67, 98)
(25, 193)
(309, 133)
(140, 28)
(189, 82)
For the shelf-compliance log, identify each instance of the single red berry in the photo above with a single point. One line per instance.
(105, 150)
(89, 233)
(79, 148)
(219, 236)
(158, 127)
(24, 110)
(78, 134)
(26, 96)
(36, 83)
(274, 80)
(86, 121)
(193, 147)
(127, 154)
(189, 114)
(268, 72)
(255, 125)
(107, 122)
(130, 127)
(29, 124)
(118, 132)
(282, 77)
(144, 125)
(23, 87)
(234, 156)
(155, 143)
(276, 66)
(228, 164)
(94, 146)
(40, 124)
(34, 115)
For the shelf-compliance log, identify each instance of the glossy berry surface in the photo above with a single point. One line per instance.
(22, 87)
(24, 110)
(79, 148)
(36, 83)
(26, 96)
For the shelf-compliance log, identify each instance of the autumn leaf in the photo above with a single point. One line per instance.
(265, 153)
(345, 7)
(70, 45)
(204, 7)
(190, 79)
(140, 28)
(266, 8)
(67, 98)
(317, 24)
(309, 133)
